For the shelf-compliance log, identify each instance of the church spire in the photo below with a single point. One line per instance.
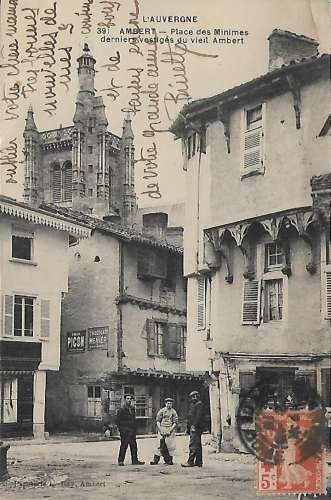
(29, 121)
(127, 133)
(86, 71)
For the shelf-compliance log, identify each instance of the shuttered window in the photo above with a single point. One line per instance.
(252, 140)
(62, 182)
(251, 302)
(67, 182)
(152, 264)
(201, 303)
(327, 288)
(45, 319)
(8, 315)
(57, 183)
(166, 339)
(150, 329)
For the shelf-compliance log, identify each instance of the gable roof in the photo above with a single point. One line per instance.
(124, 233)
(275, 81)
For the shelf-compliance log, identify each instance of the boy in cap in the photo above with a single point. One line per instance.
(195, 427)
(166, 421)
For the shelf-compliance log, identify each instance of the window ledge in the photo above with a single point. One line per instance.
(23, 261)
(21, 338)
(248, 173)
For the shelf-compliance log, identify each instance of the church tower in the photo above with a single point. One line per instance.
(83, 166)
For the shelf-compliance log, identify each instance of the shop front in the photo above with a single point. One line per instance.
(18, 363)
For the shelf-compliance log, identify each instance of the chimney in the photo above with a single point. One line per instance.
(155, 224)
(285, 47)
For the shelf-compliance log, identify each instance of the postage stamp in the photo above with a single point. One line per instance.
(290, 452)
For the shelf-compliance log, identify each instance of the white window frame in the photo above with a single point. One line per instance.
(20, 232)
(269, 266)
(254, 169)
(34, 309)
(94, 404)
(266, 282)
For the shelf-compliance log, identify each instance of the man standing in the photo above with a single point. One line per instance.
(127, 425)
(195, 427)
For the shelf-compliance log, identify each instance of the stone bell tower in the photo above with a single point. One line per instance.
(83, 166)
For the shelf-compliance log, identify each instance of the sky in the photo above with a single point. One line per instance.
(177, 74)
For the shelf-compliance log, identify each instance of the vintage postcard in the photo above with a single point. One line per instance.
(165, 255)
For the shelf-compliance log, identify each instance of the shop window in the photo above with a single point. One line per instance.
(128, 390)
(166, 339)
(141, 406)
(94, 408)
(253, 139)
(22, 244)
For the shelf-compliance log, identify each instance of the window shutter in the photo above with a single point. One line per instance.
(150, 328)
(45, 329)
(57, 183)
(328, 294)
(8, 315)
(143, 263)
(160, 266)
(201, 312)
(67, 182)
(171, 344)
(253, 148)
(251, 302)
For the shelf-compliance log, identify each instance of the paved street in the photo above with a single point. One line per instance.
(78, 471)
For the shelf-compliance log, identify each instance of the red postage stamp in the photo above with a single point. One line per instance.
(291, 453)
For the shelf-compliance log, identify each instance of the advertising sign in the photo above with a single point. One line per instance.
(98, 337)
(76, 341)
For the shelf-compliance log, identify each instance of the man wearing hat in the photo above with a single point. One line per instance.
(166, 421)
(195, 427)
(127, 425)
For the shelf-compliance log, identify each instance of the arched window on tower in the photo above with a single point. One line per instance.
(56, 183)
(62, 182)
(67, 181)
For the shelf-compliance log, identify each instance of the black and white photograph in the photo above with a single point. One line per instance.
(165, 249)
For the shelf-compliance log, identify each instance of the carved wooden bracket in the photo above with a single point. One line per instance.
(287, 268)
(225, 252)
(223, 116)
(295, 90)
(303, 223)
(247, 251)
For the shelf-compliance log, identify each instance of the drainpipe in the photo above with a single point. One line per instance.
(119, 308)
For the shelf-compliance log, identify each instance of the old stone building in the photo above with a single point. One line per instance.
(123, 326)
(83, 166)
(258, 263)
